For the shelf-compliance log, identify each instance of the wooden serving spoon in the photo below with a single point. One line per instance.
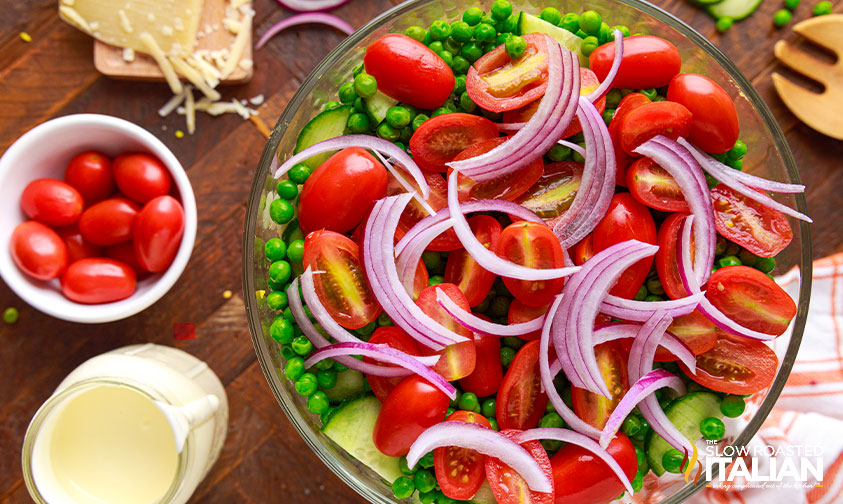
(821, 111)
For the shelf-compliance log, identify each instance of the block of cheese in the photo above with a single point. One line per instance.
(172, 24)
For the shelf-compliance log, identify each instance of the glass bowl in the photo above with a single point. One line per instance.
(769, 156)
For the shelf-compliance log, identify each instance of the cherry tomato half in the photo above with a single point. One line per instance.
(341, 191)
(51, 201)
(519, 312)
(657, 118)
(629, 103)
(342, 287)
(507, 187)
(397, 339)
(90, 173)
(580, 476)
(554, 192)
(159, 228)
(38, 250)
(584, 250)
(758, 228)
(458, 360)
(715, 127)
(414, 212)
(440, 139)
(141, 177)
(588, 83)
(651, 185)
(695, 331)
(508, 486)
(521, 401)
(735, 366)
(97, 280)
(463, 271)
(533, 245)
(109, 222)
(409, 71)
(498, 83)
(411, 408)
(488, 369)
(751, 298)
(648, 62)
(595, 409)
(77, 247)
(460, 471)
(625, 220)
(667, 256)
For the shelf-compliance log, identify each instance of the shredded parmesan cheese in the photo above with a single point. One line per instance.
(160, 58)
(71, 15)
(256, 100)
(190, 109)
(194, 77)
(238, 45)
(171, 104)
(246, 64)
(128, 54)
(124, 21)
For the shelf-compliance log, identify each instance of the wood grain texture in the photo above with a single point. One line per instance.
(264, 460)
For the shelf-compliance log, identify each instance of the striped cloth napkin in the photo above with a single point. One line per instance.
(807, 419)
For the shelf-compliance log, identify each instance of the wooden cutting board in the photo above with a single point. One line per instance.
(109, 60)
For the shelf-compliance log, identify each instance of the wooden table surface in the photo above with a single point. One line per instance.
(263, 460)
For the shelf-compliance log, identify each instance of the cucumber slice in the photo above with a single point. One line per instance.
(378, 105)
(351, 428)
(735, 9)
(527, 23)
(349, 385)
(329, 124)
(685, 413)
(484, 495)
(707, 2)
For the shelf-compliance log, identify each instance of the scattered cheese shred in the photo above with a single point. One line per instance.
(239, 45)
(171, 104)
(71, 15)
(190, 109)
(68, 2)
(256, 100)
(124, 21)
(160, 58)
(246, 64)
(128, 54)
(25, 37)
(194, 77)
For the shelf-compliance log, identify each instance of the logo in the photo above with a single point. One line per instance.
(762, 466)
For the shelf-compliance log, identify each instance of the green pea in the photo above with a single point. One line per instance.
(449, 412)
(295, 251)
(608, 114)
(469, 402)
(307, 385)
(747, 258)
(493, 423)
(281, 331)
(472, 16)
(471, 51)
(500, 306)
(452, 46)
(589, 44)
(631, 425)
(641, 294)
(387, 132)
(765, 264)
(729, 261)
(436, 46)
(440, 111)
(502, 39)
(424, 481)
(605, 34)
(791, 4)
(435, 280)
(347, 93)
(590, 22)
(461, 31)
(712, 429)
(384, 320)
(428, 497)
(641, 457)
(738, 151)
(332, 105)
(466, 103)
(654, 286)
(485, 33)
(358, 123)
(559, 153)
(672, 460)
(736, 164)
(723, 24)
(515, 47)
(281, 211)
(302, 346)
(581, 34)
(287, 189)
(507, 356)
(404, 467)
(294, 369)
(299, 173)
(416, 32)
(459, 84)
(552, 420)
(577, 156)
(782, 17)
(501, 9)
(638, 482)
(488, 19)
(339, 368)
(732, 406)
(398, 116)
(512, 342)
(288, 315)
(418, 120)
(551, 15)
(447, 57)
(367, 329)
(406, 134)
(567, 397)
(822, 8)
(440, 30)
(10, 315)
(318, 403)
(276, 300)
(360, 106)
(426, 461)
(275, 249)
(570, 22)
(623, 29)
(326, 378)
(365, 85)
(510, 24)
(649, 93)
(280, 271)
(653, 298)
(488, 407)
(323, 365)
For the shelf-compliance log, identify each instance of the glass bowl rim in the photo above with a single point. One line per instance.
(248, 259)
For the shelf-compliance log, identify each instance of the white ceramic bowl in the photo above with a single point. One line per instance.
(45, 151)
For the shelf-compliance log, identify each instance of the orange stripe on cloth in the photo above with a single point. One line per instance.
(817, 493)
(814, 377)
(836, 260)
(811, 394)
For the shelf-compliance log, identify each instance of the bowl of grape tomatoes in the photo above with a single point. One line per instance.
(525, 252)
(97, 218)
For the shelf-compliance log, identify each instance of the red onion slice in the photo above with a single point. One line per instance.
(641, 389)
(678, 162)
(485, 441)
(613, 71)
(640, 311)
(711, 312)
(569, 436)
(477, 325)
(366, 142)
(671, 343)
(408, 260)
(319, 312)
(309, 18)
(384, 353)
(487, 259)
(743, 182)
(311, 5)
(547, 375)
(319, 341)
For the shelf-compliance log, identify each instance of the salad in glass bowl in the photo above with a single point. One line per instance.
(514, 256)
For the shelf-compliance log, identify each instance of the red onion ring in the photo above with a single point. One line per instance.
(311, 5)
(477, 325)
(640, 311)
(669, 342)
(613, 71)
(309, 18)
